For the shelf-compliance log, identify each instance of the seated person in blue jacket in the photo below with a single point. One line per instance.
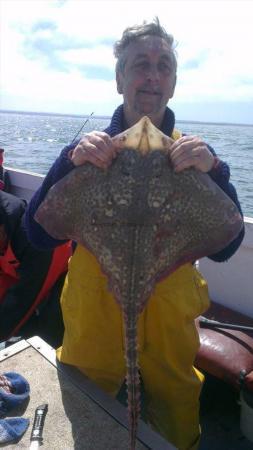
(23, 275)
(168, 341)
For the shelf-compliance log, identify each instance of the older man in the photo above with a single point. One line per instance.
(168, 341)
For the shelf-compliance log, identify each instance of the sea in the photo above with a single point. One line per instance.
(32, 141)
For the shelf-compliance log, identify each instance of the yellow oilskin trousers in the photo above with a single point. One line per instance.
(167, 342)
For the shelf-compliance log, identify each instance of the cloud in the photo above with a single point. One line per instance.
(44, 25)
(44, 43)
(97, 72)
(188, 62)
(58, 56)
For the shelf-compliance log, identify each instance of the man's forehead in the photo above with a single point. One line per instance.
(147, 44)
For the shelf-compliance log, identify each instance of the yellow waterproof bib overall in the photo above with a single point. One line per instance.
(167, 341)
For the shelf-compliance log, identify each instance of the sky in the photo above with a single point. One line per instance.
(57, 55)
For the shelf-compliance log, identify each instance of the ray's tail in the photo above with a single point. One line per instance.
(133, 377)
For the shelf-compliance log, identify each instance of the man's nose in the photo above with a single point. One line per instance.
(153, 73)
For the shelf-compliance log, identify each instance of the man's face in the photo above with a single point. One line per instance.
(148, 79)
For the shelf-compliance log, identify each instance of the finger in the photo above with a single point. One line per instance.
(119, 142)
(114, 149)
(89, 153)
(92, 158)
(106, 144)
(100, 143)
(184, 164)
(167, 143)
(101, 155)
(181, 161)
(205, 158)
(180, 154)
(184, 146)
(106, 138)
(189, 149)
(78, 156)
(100, 140)
(194, 158)
(185, 141)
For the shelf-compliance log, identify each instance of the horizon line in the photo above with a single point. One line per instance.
(85, 116)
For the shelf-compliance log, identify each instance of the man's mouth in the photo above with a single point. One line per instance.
(148, 92)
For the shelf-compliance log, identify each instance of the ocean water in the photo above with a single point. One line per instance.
(33, 141)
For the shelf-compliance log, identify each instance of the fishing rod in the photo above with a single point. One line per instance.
(87, 120)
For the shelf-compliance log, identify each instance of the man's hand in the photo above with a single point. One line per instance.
(191, 151)
(97, 148)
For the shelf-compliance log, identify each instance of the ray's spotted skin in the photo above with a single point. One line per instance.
(141, 220)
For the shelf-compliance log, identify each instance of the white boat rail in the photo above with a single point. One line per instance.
(231, 283)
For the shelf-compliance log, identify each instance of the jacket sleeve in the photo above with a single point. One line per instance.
(36, 234)
(32, 271)
(221, 176)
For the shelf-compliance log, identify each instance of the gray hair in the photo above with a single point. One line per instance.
(132, 34)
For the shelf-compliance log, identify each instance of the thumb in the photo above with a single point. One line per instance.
(119, 141)
(167, 144)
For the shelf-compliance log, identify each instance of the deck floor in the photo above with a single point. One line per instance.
(220, 418)
(73, 420)
(219, 413)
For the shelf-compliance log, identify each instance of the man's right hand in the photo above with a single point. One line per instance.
(97, 148)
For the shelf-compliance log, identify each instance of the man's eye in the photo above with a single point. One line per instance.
(142, 65)
(164, 66)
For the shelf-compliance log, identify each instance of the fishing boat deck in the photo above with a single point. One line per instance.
(220, 417)
(80, 415)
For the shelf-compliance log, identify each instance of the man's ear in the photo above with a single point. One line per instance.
(119, 81)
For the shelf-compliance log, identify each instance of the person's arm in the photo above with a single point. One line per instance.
(96, 148)
(192, 151)
(36, 234)
(32, 271)
(220, 173)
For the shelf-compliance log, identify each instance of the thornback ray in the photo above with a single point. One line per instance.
(141, 220)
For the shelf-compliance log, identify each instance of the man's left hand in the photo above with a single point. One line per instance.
(191, 151)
